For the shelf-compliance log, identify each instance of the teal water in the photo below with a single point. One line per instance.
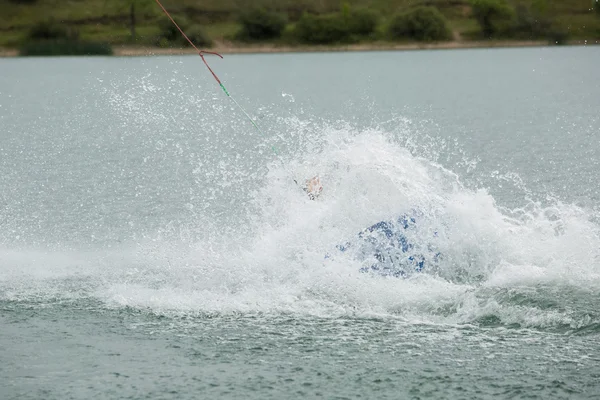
(152, 245)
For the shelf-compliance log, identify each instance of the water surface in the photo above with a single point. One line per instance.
(153, 244)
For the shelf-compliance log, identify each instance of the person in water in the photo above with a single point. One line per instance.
(384, 243)
(313, 187)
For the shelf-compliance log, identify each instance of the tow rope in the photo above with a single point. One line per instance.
(201, 53)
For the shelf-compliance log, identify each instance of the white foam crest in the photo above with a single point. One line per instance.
(281, 266)
(276, 261)
(526, 316)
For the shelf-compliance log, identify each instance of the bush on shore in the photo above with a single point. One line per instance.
(532, 23)
(198, 36)
(260, 24)
(421, 23)
(360, 21)
(168, 30)
(48, 38)
(494, 16)
(169, 34)
(321, 29)
(50, 30)
(347, 26)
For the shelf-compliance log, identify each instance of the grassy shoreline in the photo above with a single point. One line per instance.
(140, 30)
(228, 48)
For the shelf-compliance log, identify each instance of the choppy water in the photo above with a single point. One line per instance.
(152, 245)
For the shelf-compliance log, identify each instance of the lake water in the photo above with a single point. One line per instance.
(153, 244)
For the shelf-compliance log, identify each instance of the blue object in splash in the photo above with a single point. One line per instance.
(387, 249)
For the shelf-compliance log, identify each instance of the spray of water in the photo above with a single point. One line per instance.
(264, 252)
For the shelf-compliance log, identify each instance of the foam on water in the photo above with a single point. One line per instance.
(253, 242)
(534, 266)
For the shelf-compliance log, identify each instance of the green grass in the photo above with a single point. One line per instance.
(145, 35)
(464, 26)
(583, 26)
(11, 39)
(107, 20)
(222, 30)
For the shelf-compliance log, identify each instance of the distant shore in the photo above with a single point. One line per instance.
(229, 48)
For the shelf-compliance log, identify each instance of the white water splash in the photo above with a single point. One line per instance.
(275, 262)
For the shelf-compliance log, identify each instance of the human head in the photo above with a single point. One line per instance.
(313, 187)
